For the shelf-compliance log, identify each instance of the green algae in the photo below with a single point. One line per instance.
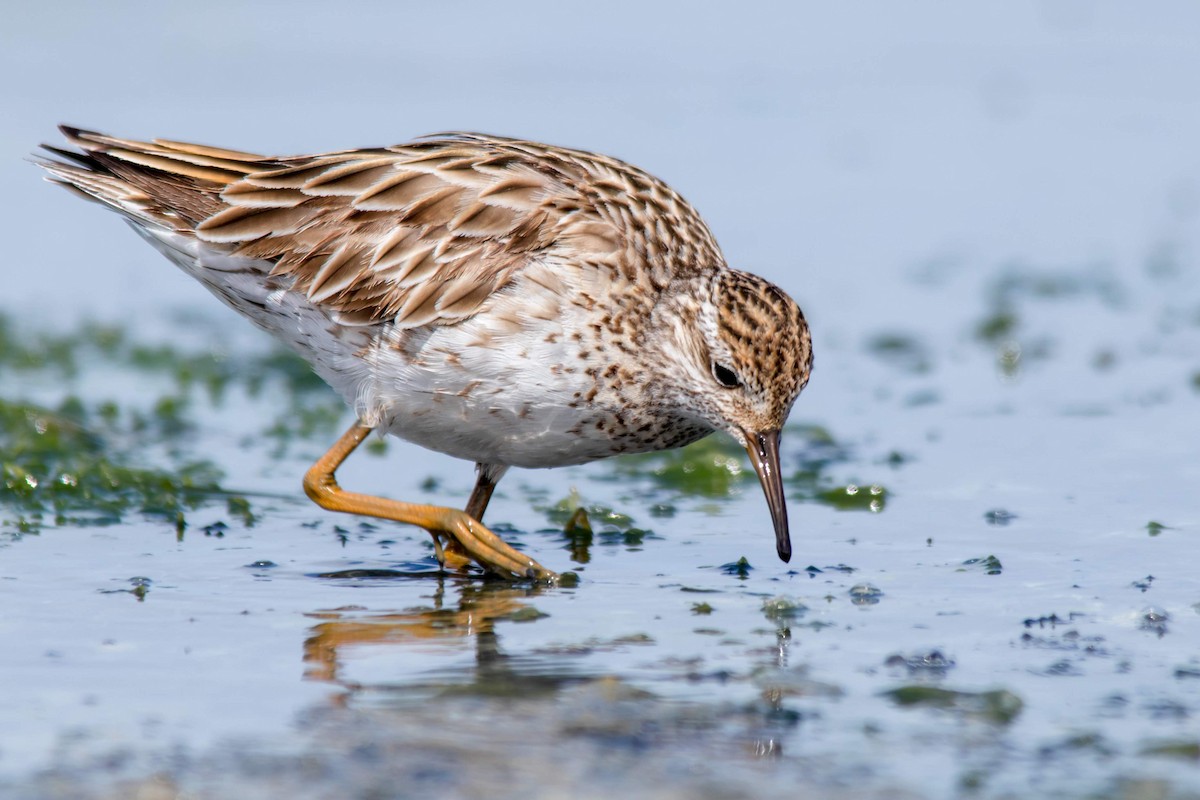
(997, 706)
(717, 468)
(308, 421)
(1001, 324)
(1004, 328)
(1023, 281)
(989, 565)
(76, 462)
(1185, 750)
(739, 569)
(526, 614)
(853, 497)
(62, 467)
(578, 523)
(310, 409)
(584, 524)
(37, 353)
(565, 513)
(712, 467)
(783, 609)
(813, 482)
(903, 351)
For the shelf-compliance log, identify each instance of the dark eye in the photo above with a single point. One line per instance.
(725, 376)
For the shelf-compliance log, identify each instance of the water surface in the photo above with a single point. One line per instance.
(990, 218)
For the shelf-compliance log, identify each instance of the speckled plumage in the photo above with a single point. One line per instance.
(503, 301)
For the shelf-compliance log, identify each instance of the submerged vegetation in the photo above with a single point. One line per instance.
(997, 706)
(70, 461)
(1007, 327)
(64, 466)
(98, 427)
(716, 467)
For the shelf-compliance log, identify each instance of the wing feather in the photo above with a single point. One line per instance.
(418, 234)
(398, 192)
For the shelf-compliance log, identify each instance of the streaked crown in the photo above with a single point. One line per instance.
(766, 346)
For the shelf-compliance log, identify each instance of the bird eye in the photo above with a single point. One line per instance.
(725, 376)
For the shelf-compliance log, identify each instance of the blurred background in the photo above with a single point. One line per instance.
(828, 145)
(990, 213)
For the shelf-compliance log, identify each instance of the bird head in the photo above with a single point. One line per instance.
(746, 355)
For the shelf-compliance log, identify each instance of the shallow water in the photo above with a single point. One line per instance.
(991, 222)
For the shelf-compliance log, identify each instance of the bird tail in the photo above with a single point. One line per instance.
(161, 183)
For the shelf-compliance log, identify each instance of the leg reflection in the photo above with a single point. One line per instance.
(462, 610)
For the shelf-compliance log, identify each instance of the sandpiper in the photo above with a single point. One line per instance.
(499, 300)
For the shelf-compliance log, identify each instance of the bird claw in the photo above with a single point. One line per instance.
(469, 540)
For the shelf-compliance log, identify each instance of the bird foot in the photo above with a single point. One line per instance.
(468, 540)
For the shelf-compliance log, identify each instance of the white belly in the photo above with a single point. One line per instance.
(485, 389)
(507, 402)
(495, 434)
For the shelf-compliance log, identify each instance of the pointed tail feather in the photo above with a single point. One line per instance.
(164, 184)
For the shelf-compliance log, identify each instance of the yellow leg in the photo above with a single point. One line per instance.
(483, 546)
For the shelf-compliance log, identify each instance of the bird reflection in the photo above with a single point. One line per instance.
(460, 610)
(568, 687)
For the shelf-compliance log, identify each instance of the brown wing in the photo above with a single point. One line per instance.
(419, 233)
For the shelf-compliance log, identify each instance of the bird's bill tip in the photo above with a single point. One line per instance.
(763, 449)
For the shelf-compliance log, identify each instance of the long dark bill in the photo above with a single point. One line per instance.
(764, 455)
